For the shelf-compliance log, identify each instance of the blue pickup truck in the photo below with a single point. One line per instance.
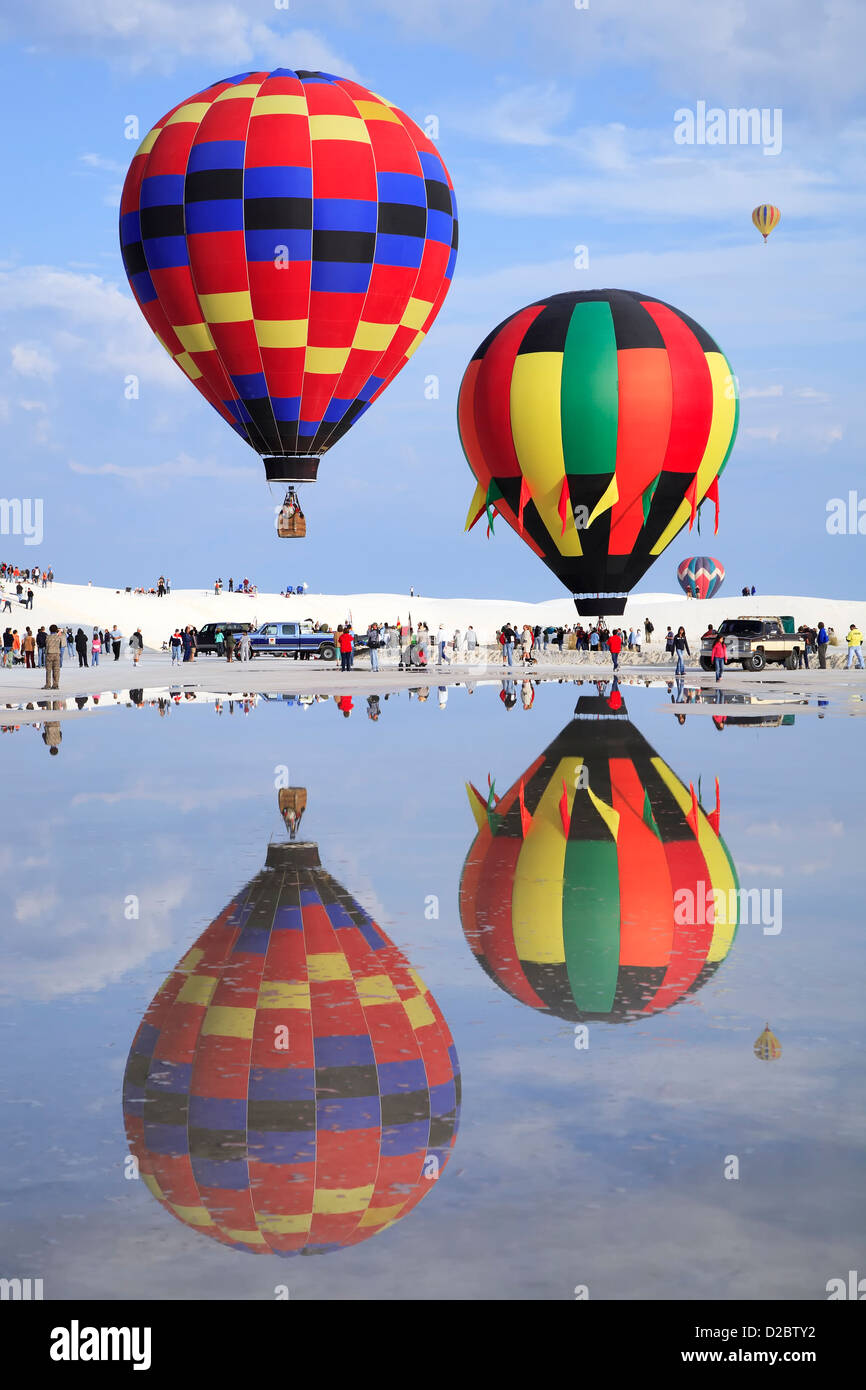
(293, 639)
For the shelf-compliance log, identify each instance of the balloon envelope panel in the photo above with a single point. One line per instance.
(293, 1087)
(289, 237)
(701, 575)
(595, 423)
(585, 893)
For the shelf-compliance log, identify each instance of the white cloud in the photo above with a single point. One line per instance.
(30, 359)
(29, 907)
(757, 392)
(184, 466)
(74, 949)
(808, 393)
(33, 405)
(768, 432)
(100, 162)
(165, 33)
(520, 116)
(90, 322)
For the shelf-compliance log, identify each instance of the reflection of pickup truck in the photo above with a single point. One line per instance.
(293, 639)
(756, 642)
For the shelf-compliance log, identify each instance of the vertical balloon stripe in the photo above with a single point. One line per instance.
(589, 392)
(537, 898)
(730, 391)
(535, 424)
(590, 899)
(493, 386)
(646, 895)
(466, 425)
(692, 395)
(495, 913)
(216, 245)
(645, 414)
(718, 444)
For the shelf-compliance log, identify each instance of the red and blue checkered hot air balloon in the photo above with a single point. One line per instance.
(289, 237)
(701, 576)
(293, 1087)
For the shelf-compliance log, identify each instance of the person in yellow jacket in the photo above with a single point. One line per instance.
(855, 647)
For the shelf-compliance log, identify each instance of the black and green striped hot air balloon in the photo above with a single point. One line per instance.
(596, 423)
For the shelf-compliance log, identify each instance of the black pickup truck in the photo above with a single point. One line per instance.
(206, 643)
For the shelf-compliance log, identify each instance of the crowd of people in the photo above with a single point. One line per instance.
(243, 586)
(45, 649)
(20, 582)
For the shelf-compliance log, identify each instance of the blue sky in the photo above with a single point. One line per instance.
(557, 126)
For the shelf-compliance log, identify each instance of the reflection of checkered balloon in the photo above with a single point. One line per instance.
(701, 576)
(293, 1087)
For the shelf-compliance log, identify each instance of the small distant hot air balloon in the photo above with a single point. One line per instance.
(767, 1047)
(595, 424)
(766, 218)
(701, 576)
(289, 237)
(590, 890)
(293, 1086)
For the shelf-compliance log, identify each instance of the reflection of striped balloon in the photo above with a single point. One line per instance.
(701, 575)
(584, 893)
(765, 218)
(293, 1087)
(767, 1047)
(607, 401)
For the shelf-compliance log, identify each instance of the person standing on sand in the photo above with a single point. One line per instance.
(52, 658)
(345, 644)
(136, 642)
(822, 644)
(374, 642)
(679, 645)
(244, 647)
(614, 646)
(855, 647)
(81, 646)
(29, 646)
(719, 656)
(95, 647)
(230, 644)
(471, 638)
(441, 643)
(116, 641)
(175, 643)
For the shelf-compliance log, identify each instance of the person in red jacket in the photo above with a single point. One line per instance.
(720, 656)
(346, 643)
(614, 646)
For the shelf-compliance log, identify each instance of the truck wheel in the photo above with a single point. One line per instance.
(706, 663)
(790, 662)
(756, 662)
(327, 653)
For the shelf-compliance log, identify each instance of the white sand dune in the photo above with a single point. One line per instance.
(89, 606)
